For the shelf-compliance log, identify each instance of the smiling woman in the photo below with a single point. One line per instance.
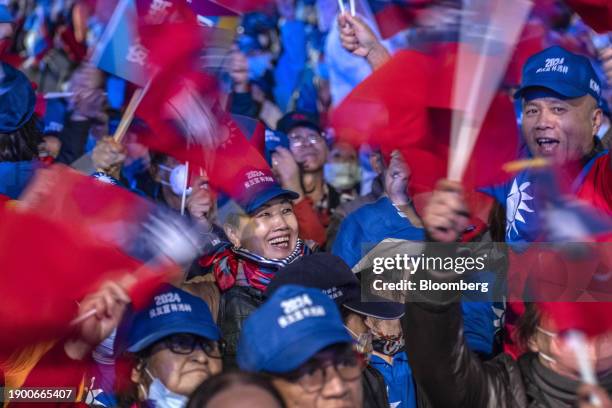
(264, 238)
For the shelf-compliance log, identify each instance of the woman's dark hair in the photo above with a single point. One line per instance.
(526, 326)
(22, 144)
(127, 392)
(224, 381)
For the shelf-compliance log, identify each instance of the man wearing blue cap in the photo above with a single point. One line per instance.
(306, 349)
(561, 115)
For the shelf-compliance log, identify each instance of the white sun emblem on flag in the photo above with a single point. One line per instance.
(516, 202)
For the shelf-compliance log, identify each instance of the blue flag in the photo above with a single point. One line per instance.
(120, 51)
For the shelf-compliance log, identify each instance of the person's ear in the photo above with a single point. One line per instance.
(233, 234)
(137, 372)
(596, 120)
(532, 344)
(376, 163)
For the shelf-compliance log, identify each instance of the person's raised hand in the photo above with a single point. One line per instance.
(108, 156)
(99, 314)
(446, 215)
(587, 391)
(356, 36)
(287, 170)
(88, 99)
(200, 202)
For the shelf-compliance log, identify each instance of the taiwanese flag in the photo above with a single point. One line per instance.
(119, 51)
(109, 216)
(393, 16)
(596, 13)
(591, 318)
(46, 268)
(246, 6)
(407, 104)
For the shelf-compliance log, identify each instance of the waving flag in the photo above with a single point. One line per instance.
(596, 13)
(119, 51)
(407, 104)
(108, 215)
(245, 6)
(591, 318)
(393, 16)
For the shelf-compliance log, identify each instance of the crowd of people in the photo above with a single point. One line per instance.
(271, 314)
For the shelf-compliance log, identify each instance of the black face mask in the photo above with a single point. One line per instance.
(387, 345)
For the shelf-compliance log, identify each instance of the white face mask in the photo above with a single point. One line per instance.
(177, 178)
(603, 130)
(363, 341)
(342, 176)
(162, 397)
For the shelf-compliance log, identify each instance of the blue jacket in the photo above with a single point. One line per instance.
(366, 227)
(14, 176)
(398, 378)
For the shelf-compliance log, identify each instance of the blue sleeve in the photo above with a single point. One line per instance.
(291, 62)
(348, 241)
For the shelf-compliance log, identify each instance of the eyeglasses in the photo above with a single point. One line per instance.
(299, 140)
(185, 344)
(314, 374)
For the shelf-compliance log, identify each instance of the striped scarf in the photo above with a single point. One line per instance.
(238, 266)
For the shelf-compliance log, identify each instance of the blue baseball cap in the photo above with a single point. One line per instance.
(333, 276)
(17, 99)
(172, 311)
(293, 325)
(294, 119)
(564, 73)
(259, 187)
(5, 14)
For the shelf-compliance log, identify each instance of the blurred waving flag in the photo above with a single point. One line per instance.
(591, 318)
(596, 13)
(440, 103)
(120, 51)
(125, 47)
(84, 232)
(393, 16)
(246, 6)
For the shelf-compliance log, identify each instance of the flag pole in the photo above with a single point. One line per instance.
(128, 115)
(352, 7)
(576, 341)
(341, 6)
(185, 184)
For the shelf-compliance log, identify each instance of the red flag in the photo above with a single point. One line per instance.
(246, 6)
(591, 318)
(406, 105)
(596, 13)
(108, 216)
(46, 268)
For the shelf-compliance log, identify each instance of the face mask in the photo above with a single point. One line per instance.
(603, 130)
(162, 397)
(342, 176)
(363, 341)
(177, 179)
(387, 344)
(258, 64)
